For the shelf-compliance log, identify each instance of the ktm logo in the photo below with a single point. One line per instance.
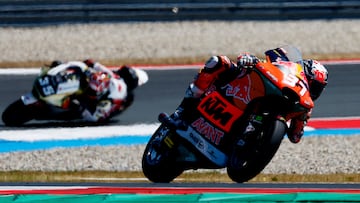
(219, 111)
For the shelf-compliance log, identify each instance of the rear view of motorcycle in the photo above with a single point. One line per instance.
(218, 135)
(49, 97)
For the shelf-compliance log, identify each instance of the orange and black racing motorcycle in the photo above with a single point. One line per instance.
(213, 136)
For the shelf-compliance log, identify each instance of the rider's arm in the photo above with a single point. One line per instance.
(101, 68)
(297, 125)
(103, 110)
(207, 76)
(116, 101)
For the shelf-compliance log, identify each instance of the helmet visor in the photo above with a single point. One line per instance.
(316, 89)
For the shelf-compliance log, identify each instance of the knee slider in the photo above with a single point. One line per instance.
(193, 91)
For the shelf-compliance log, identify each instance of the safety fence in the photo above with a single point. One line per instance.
(44, 12)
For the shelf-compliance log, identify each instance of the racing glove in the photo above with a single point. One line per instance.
(246, 60)
(101, 113)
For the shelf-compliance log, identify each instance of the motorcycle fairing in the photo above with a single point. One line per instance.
(223, 107)
(28, 98)
(289, 76)
(204, 146)
(58, 83)
(55, 93)
(244, 89)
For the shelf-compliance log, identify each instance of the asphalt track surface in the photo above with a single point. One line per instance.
(165, 89)
(164, 92)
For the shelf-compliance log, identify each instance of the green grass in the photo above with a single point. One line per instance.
(200, 177)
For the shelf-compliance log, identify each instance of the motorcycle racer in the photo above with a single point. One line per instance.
(105, 92)
(219, 70)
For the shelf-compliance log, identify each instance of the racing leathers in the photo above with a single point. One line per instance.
(214, 70)
(101, 105)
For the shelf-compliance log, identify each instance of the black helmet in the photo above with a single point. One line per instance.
(89, 62)
(55, 63)
(130, 77)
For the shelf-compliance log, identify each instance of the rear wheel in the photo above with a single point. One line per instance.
(17, 114)
(158, 161)
(247, 162)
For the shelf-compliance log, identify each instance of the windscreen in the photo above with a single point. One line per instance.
(285, 53)
(293, 54)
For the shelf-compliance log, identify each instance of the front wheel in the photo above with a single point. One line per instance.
(17, 114)
(245, 164)
(158, 161)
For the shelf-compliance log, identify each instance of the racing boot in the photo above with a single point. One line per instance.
(184, 110)
(170, 122)
(189, 102)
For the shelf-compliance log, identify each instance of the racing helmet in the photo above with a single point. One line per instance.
(99, 82)
(89, 62)
(317, 77)
(55, 63)
(130, 77)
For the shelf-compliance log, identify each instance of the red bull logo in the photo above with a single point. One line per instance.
(240, 91)
(245, 89)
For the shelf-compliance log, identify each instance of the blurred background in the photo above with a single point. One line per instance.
(39, 12)
(33, 32)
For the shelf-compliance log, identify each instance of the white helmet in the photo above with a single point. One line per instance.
(317, 77)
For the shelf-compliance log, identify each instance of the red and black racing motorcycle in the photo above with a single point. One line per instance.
(213, 136)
